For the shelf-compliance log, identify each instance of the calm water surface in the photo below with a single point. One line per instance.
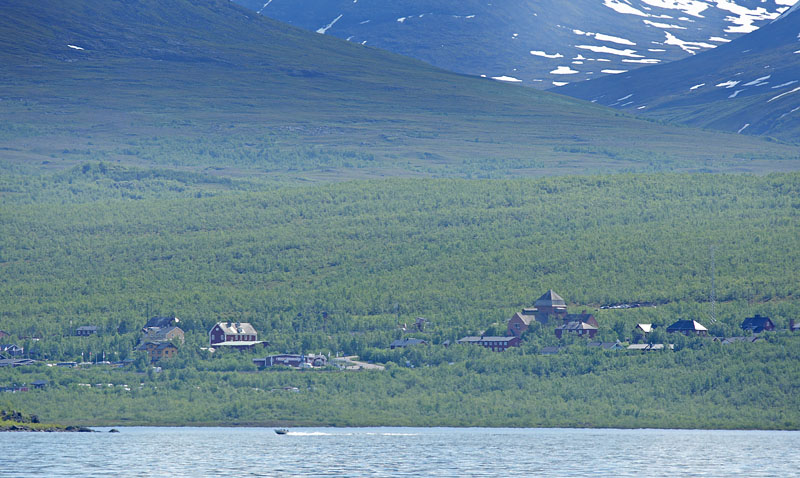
(399, 452)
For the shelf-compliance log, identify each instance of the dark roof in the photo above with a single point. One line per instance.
(757, 322)
(577, 325)
(549, 350)
(406, 342)
(475, 339)
(161, 321)
(682, 325)
(15, 362)
(606, 345)
(40, 382)
(731, 340)
(526, 319)
(550, 298)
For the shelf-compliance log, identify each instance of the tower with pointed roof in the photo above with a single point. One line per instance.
(551, 303)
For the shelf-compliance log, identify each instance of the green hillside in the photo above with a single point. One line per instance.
(212, 85)
(338, 268)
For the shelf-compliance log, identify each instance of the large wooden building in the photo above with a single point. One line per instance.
(496, 344)
(237, 335)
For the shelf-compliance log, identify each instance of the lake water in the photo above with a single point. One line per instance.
(400, 452)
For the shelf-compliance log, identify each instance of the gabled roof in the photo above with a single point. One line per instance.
(550, 298)
(577, 325)
(236, 328)
(475, 339)
(757, 322)
(87, 327)
(160, 334)
(646, 328)
(526, 319)
(607, 345)
(692, 325)
(550, 350)
(406, 342)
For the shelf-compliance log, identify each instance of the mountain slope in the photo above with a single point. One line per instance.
(208, 84)
(537, 43)
(748, 86)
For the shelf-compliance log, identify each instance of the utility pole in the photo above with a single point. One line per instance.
(713, 289)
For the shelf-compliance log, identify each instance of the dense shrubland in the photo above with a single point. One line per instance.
(337, 268)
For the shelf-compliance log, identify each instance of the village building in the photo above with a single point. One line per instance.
(688, 327)
(521, 321)
(236, 335)
(792, 326)
(3, 334)
(15, 362)
(549, 306)
(292, 360)
(158, 350)
(732, 340)
(577, 327)
(649, 347)
(407, 342)
(86, 330)
(550, 350)
(607, 345)
(161, 322)
(641, 331)
(170, 333)
(757, 324)
(11, 350)
(496, 344)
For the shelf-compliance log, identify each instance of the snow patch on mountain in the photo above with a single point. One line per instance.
(758, 81)
(75, 47)
(564, 70)
(783, 94)
(689, 7)
(604, 37)
(664, 26)
(323, 30)
(745, 17)
(265, 6)
(783, 85)
(611, 51)
(509, 79)
(687, 46)
(546, 55)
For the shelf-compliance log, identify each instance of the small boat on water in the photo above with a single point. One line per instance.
(281, 431)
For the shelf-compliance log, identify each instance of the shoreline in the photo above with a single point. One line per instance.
(270, 425)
